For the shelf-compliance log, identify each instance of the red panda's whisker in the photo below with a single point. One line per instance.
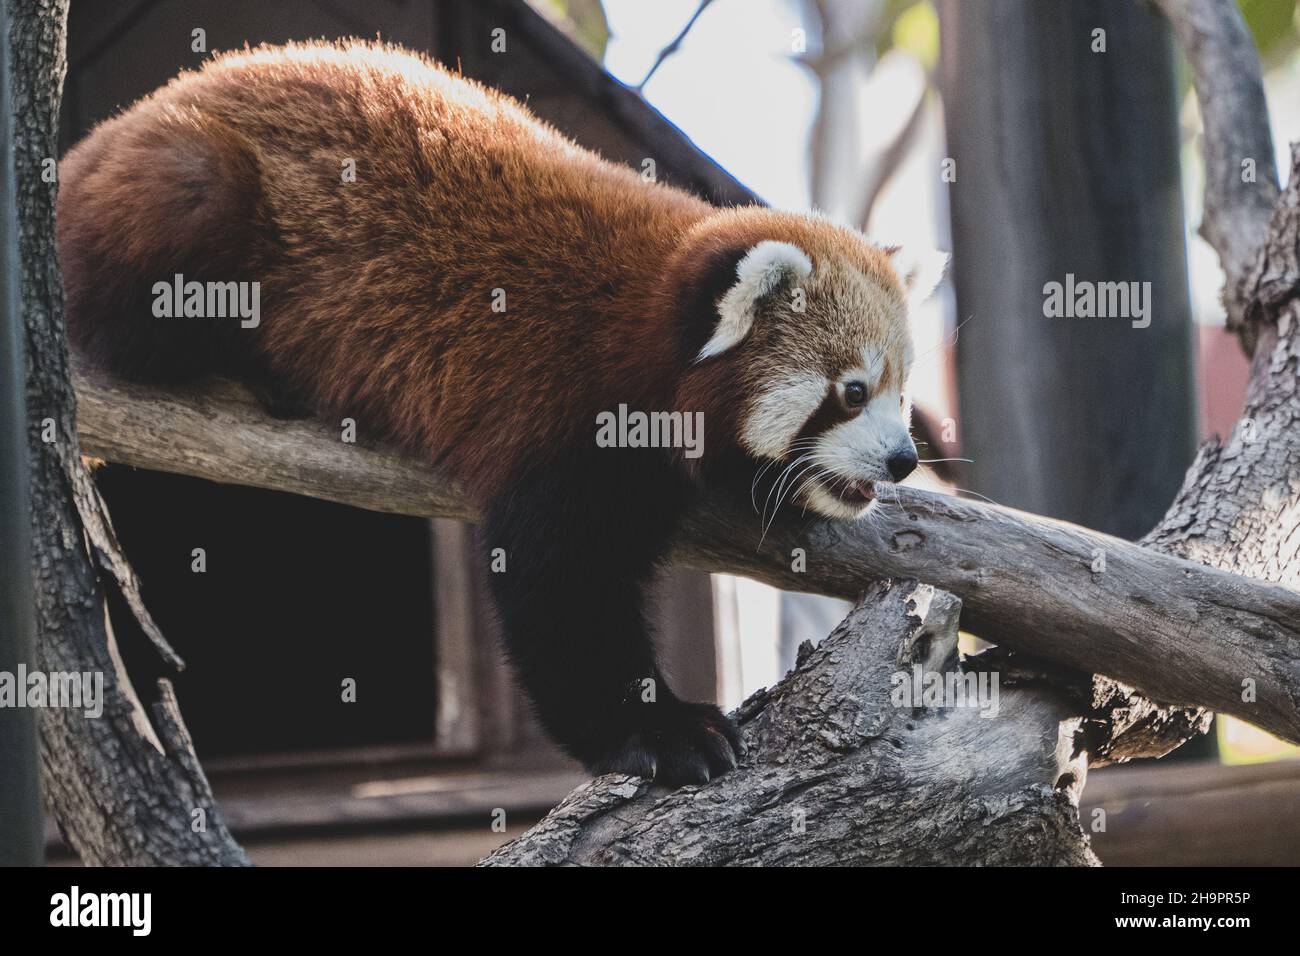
(814, 458)
(815, 463)
(806, 443)
(779, 481)
(948, 489)
(811, 479)
(793, 481)
(943, 343)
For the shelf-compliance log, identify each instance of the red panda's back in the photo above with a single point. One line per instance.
(385, 206)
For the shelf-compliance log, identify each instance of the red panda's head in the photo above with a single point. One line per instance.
(806, 343)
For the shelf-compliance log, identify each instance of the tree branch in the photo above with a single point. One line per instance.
(838, 771)
(1230, 88)
(1239, 506)
(1028, 580)
(673, 45)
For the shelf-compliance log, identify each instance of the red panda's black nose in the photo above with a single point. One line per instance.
(901, 464)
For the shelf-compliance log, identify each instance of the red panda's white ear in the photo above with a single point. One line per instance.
(768, 266)
(921, 270)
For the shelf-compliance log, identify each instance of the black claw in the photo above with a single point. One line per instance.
(632, 758)
(685, 773)
(684, 744)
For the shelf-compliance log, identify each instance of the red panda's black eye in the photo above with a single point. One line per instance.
(855, 394)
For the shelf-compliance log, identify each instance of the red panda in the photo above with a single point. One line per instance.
(480, 291)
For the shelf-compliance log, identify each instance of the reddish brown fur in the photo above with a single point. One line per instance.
(376, 294)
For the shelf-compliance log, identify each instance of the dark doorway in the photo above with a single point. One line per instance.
(297, 596)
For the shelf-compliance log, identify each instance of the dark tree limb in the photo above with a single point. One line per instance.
(121, 795)
(21, 825)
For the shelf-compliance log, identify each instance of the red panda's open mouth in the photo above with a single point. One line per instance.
(855, 492)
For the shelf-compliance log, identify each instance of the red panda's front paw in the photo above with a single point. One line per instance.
(681, 744)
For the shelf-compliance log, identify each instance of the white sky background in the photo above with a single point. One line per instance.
(732, 87)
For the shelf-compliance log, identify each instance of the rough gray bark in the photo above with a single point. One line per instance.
(1239, 507)
(218, 431)
(1029, 583)
(836, 774)
(22, 827)
(121, 792)
(1028, 580)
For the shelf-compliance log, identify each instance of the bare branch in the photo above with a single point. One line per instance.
(1238, 142)
(890, 160)
(1028, 580)
(674, 45)
(848, 28)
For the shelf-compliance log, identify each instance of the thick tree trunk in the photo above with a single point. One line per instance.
(1067, 164)
(122, 791)
(21, 828)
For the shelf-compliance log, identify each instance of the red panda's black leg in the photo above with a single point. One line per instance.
(580, 545)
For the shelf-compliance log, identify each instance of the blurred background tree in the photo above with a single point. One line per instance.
(583, 20)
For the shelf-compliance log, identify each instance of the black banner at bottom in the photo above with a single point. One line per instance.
(334, 905)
